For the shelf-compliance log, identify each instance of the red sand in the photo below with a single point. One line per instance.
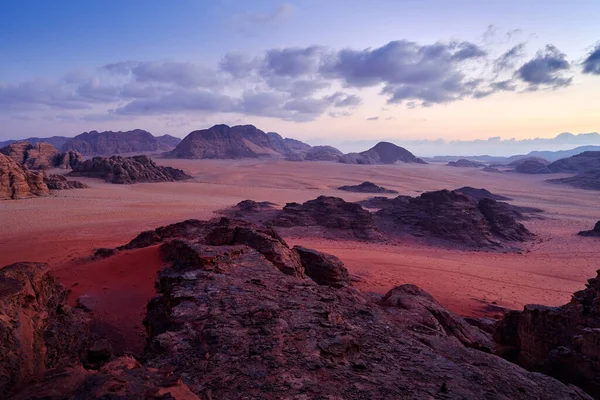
(70, 224)
(120, 286)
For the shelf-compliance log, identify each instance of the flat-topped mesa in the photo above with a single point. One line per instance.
(563, 342)
(122, 170)
(366, 187)
(18, 182)
(231, 321)
(381, 153)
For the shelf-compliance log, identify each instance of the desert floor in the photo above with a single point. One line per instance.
(64, 228)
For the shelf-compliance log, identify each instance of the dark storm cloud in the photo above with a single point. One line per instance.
(591, 65)
(546, 69)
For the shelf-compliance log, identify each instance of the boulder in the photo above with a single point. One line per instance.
(324, 269)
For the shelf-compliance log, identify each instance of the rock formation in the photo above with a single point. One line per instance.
(323, 153)
(491, 169)
(222, 141)
(40, 155)
(56, 141)
(462, 163)
(593, 232)
(589, 180)
(583, 162)
(563, 342)
(324, 269)
(537, 160)
(366, 187)
(18, 182)
(381, 153)
(59, 182)
(108, 143)
(452, 217)
(33, 156)
(532, 166)
(38, 330)
(231, 323)
(67, 159)
(167, 142)
(136, 169)
(287, 147)
(479, 194)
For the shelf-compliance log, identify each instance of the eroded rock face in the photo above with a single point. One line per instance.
(366, 187)
(33, 156)
(67, 159)
(18, 182)
(231, 323)
(323, 153)
(59, 182)
(452, 217)
(122, 170)
(38, 330)
(108, 143)
(593, 232)
(563, 342)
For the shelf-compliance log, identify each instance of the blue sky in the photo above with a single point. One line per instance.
(323, 71)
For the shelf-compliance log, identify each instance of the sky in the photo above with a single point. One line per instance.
(326, 72)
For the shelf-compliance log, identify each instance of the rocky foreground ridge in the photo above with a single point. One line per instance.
(447, 218)
(122, 170)
(239, 314)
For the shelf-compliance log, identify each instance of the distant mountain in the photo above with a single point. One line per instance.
(56, 141)
(463, 163)
(547, 155)
(381, 153)
(167, 142)
(583, 162)
(109, 142)
(247, 141)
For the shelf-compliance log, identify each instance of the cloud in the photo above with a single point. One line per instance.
(429, 74)
(341, 99)
(591, 65)
(509, 58)
(281, 13)
(182, 100)
(373, 119)
(545, 69)
(292, 61)
(238, 64)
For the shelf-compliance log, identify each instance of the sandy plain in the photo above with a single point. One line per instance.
(63, 229)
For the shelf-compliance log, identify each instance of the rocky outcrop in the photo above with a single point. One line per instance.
(532, 166)
(563, 342)
(108, 143)
(56, 141)
(453, 217)
(580, 163)
(381, 153)
(463, 163)
(18, 182)
(366, 187)
(490, 169)
(589, 180)
(593, 232)
(38, 330)
(67, 159)
(323, 153)
(287, 146)
(537, 160)
(479, 194)
(33, 156)
(59, 182)
(125, 170)
(222, 141)
(230, 322)
(324, 269)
